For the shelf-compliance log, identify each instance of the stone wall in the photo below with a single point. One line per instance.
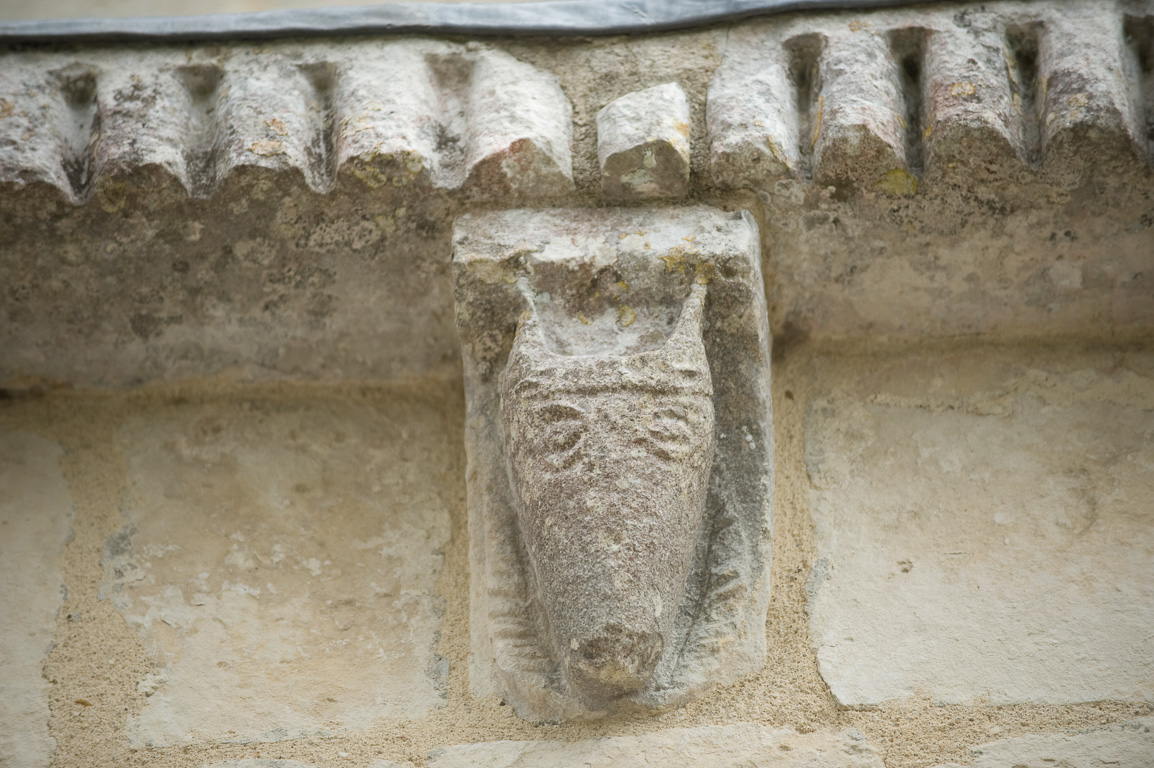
(233, 522)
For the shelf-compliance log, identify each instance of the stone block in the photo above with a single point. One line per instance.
(280, 561)
(621, 454)
(753, 114)
(722, 746)
(453, 116)
(1130, 745)
(979, 128)
(113, 276)
(983, 528)
(35, 523)
(1089, 110)
(643, 144)
(860, 121)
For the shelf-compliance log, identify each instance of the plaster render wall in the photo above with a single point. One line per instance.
(108, 674)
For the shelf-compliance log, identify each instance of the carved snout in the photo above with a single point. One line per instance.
(609, 458)
(614, 662)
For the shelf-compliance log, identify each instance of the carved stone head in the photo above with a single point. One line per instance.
(610, 458)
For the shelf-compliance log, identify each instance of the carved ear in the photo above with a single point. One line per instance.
(530, 339)
(687, 333)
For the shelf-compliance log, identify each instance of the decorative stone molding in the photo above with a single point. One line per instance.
(425, 113)
(643, 144)
(880, 100)
(285, 209)
(620, 450)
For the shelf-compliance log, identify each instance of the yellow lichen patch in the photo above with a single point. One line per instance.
(625, 316)
(371, 176)
(111, 196)
(7, 109)
(817, 122)
(370, 173)
(623, 285)
(267, 148)
(674, 260)
(962, 89)
(777, 152)
(682, 128)
(623, 235)
(494, 272)
(584, 319)
(414, 163)
(385, 222)
(929, 131)
(702, 272)
(277, 126)
(898, 182)
(857, 25)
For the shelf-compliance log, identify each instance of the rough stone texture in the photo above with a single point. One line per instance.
(35, 522)
(983, 528)
(643, 144)
(283, 210)
(258, 763)
(280, 562)
(455, 116)
(162, 212)
(729, 746)
(965, 170)
(1130, 745)
(610, 454)
(859, 121)
(579, 605)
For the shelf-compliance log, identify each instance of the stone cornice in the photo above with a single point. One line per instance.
(956, 170)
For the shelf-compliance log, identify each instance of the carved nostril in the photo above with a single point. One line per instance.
(614, 663)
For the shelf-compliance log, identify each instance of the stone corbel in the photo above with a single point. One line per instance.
(620, 449)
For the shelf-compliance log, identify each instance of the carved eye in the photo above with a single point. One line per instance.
(670, 433)
(562, 427)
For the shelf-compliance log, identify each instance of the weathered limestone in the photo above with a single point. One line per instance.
(254, 212)
(280, 561)
(913, 172)
(609, 455)
(259, 763)
(35, 523)
(450, 116)
(283, 210)
(643, 144)
(983, 528)
(1089, 94)
(723, 746)
(859, 120)
(620, 487)
(973, 96)
(1128, 746)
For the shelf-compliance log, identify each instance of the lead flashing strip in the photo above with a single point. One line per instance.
(560, 18)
